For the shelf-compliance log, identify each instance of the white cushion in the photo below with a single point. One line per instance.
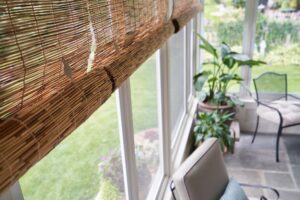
(290, 112)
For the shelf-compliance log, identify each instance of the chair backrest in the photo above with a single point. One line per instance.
(203, 174)
(270, 86)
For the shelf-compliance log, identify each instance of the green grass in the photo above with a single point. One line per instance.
(70, 171)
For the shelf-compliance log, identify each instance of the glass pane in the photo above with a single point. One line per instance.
(144, 107)
(176, 47)
(278, 43)
(86, 165)
(224, 23)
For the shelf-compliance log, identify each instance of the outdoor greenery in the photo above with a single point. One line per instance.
(224, 22)
(71, 171)
(213, 124)
(274, 32)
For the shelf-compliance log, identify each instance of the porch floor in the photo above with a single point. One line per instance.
(255, 164)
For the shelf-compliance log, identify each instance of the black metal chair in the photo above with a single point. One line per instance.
(273, 105)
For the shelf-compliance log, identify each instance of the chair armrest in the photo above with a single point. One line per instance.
(262, 187)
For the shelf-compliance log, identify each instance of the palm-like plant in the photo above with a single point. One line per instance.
(214, 124)
(222, 75)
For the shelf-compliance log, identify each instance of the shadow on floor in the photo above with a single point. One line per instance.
(255, 164)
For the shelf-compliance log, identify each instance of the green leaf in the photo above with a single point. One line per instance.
(236, 100)
(212, 79)
(243, 59)
(207, 46)
(200, 79)
(229, 62)
(225, 50)
(210, 63)
(202, 95)
(251, 63)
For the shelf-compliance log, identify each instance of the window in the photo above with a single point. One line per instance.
(85, 165)
(278, 43)
(144, 108)
(176, 48)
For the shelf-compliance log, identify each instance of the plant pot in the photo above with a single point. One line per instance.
(204, 107)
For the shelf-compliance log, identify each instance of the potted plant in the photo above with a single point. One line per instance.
(213, 124)
(212, 85)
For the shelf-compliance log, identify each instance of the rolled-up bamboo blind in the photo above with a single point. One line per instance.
(61, 60)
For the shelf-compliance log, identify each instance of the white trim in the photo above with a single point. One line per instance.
(164, 124)
(189, 62)
(127, 141)
(185, 65)
(248, 41)
(156, 185)
(178, 154)
(13, 193)
(200, 29)
(176, 130)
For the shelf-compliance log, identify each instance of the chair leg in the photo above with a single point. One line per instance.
(257, 124)
(277, 142)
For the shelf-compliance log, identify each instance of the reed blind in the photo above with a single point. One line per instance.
(61, 60)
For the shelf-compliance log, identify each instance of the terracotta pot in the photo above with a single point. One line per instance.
(203, 107)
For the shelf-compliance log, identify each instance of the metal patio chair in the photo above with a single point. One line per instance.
(273, 105)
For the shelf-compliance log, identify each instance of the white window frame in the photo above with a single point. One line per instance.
(126, 132)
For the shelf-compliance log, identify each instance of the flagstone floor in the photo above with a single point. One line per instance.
(255, 164)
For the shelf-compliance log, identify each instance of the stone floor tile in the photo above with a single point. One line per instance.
(264, 142)
(285, 195)
(296, 173)
(279, 180)
(248, 177)
(254, 159)
(292, 144)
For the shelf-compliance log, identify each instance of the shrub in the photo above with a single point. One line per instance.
(109, 191)
(231, 32)
(239, 3)
(274, 32)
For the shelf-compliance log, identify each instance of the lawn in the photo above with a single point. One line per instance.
(283, 57)
(70, 171)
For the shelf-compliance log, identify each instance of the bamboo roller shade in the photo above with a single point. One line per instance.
(61, 60)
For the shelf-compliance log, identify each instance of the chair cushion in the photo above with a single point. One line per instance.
(290, 112)
(234, 191)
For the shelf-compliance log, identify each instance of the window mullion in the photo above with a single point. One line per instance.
(162, 70)
(199, 29)
(185, 57)
(126, 132)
